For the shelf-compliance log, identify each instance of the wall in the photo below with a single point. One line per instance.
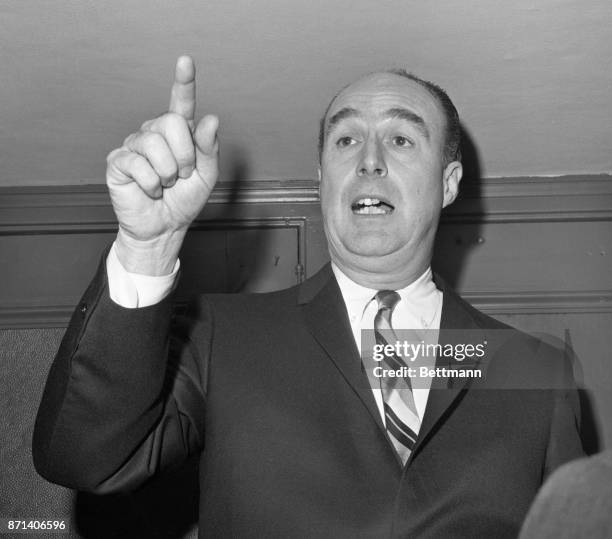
(530, 78)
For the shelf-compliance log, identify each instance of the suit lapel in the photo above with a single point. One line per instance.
(444, 392)
(327, 320)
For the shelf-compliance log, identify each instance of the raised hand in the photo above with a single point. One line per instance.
(161, 177)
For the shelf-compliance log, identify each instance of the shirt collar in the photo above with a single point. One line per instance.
(420, 296)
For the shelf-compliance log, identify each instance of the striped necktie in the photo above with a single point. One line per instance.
(401, 417)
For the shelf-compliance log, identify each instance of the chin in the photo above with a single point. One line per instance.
(369, 245)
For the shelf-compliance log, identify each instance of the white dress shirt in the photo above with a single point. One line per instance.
(132, 290)
(420, 306)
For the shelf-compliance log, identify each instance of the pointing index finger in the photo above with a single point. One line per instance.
(183, 97)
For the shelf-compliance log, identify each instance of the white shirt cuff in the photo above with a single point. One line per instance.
(132, 290)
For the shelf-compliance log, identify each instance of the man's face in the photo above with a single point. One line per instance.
(383, 182)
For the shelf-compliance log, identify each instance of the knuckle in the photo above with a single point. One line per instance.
(177, 125)
(128, 141)
(113, 155)
(137, 163)
(152, 142)
(154, 124)
(173, 118)
(168, 169)
(147, 178)
(146, 126)
(185, 156)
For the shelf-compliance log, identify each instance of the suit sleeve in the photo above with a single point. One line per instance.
(124, 398)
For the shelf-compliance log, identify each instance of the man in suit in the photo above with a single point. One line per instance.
(294, 440)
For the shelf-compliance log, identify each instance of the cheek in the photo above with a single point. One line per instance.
(332, 188)
(419, 185)
(331, 203)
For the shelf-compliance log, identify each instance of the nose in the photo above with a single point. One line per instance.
(372, 161)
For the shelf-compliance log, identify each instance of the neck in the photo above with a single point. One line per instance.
(383, 278)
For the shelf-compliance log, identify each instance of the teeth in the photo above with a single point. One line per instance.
(371, 206)
(368, 201)
(371, 210)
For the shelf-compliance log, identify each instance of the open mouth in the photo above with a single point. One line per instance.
(371, 206)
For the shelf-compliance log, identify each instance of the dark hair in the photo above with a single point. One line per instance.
(452, 138)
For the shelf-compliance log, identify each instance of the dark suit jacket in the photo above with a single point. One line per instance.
(269, 389)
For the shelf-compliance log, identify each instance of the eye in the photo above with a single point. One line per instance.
(401, 141)
(344, 142)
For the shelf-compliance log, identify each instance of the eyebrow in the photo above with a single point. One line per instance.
(342, 114)
(394, 113)
(409, 116)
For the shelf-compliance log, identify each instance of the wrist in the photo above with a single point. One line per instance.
(154, 257)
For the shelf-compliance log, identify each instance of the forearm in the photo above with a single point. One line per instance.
(109, 415)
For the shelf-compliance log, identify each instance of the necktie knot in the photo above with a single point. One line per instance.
(387, 300)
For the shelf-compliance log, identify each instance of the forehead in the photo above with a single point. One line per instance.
(374, 94)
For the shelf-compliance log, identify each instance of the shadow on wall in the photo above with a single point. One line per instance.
(228, 251)
(452, 249)
(238, 280)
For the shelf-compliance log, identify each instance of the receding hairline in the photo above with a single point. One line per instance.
(438, 95)
(383, 75)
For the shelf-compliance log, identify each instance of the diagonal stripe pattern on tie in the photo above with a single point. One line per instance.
(401, 417)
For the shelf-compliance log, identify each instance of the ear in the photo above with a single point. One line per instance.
(450, 181)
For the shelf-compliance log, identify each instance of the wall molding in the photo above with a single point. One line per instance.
(78, 209)
(29, 313)
(541, 302)
(522, 199)
(534, 199)
(23, 317)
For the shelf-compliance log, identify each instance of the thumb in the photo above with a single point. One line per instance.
(207, 149)
(205, 136)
